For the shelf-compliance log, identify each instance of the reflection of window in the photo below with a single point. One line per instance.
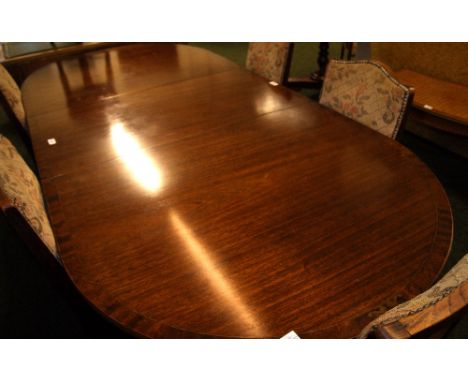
(16, 49)
(221, 284)
(86, 74)
(140, 165)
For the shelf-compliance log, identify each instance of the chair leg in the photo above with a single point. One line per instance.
(26, 139)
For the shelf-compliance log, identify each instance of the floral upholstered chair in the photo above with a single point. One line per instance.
(10, 95)
(21, 201)
(447, 297)
(270, 60)
(366, 92)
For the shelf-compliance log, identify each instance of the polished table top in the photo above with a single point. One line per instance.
(190, 198)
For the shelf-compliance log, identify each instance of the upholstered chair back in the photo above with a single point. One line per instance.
(270, 60)
(453, 280)
(11, 96)
(21, 187)
(366, 92)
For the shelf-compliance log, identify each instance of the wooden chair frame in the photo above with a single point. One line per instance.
(404, 118)
(287, 65)
(432, 321)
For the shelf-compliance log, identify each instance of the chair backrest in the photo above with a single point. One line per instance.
(10, 97)
(22, 200)
(366, 92)
(270, 60)
(446, 298)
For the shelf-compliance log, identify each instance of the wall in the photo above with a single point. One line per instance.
(446, 61)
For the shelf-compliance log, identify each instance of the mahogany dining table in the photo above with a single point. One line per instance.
(191, 198)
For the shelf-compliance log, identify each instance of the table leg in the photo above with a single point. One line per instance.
(322, 62)
(314, 81)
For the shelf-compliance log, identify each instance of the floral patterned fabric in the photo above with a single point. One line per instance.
(365, 92)
(12, 94)
(21, 186)
(454, 278)
(269, 59)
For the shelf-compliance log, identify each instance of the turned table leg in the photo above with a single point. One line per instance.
(315, 80)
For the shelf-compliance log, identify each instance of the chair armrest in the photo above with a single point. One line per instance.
(451, 305)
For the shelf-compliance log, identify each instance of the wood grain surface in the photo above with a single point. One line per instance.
(440, 98)
(192, 199)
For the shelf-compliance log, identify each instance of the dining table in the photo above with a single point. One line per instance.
(191, 198)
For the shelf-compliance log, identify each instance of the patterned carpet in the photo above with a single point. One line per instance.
(31, 308)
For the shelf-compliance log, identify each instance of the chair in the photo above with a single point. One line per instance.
(365, 92)
(270, 60)
(10, 96)
(10, 99)
(425, 312)
(348, 50)
(22, 204)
